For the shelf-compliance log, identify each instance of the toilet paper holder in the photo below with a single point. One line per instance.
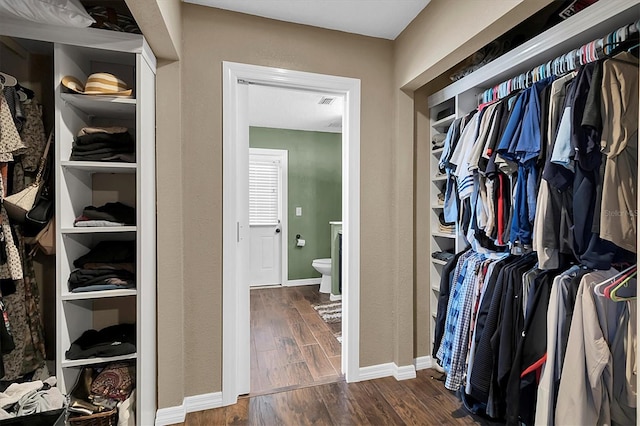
(299, 241)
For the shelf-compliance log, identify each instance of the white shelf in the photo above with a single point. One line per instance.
(437, 206)
(444, 123)
(435, 288)
(439, 178)
(592, 23)
(91, 361)
(438, 261)
(437, 151)
(443, 234)
(102, 106)
(434, 315)
(104, 294)
(99, 166)
(98, 229)
(79, 184)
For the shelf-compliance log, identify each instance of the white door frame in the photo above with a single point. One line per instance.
(235, 289)
(283, 188)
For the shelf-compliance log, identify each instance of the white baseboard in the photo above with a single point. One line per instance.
(404, 372)
(171, 415)
(335, 297)
(190, 404)
(305, 281)
(424, 362)
(385, 370)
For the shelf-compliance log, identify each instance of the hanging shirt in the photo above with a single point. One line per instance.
(619, 144)
(596, 347)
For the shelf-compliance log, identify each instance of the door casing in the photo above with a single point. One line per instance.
(235, 286)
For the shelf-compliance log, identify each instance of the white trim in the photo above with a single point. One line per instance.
(203, 402)
(235, 324)
(86, 37)
(171, 415)
(404, 372)
(335, 297)
(377, 371)
(190, 404)
(305, 281)
(423, 362)
(386, 370)
(592, 23)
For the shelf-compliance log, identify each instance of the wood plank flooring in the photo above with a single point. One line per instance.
(419, 401)
(296, 380)
(291, 346)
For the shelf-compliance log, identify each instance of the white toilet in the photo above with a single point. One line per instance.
(324, 267)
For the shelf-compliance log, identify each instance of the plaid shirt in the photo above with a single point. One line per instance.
(453, 349)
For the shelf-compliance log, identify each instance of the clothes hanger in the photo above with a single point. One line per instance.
(613, 295)
(599, 286)
(622, 279)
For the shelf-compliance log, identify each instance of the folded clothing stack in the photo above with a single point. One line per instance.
(110, 214)
(110, 265)
(104, 144)
(110, 341)
(443, 255)
(437, 141)
(446, 227)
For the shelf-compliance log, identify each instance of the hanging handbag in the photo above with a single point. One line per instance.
(18, 204)
(45, 241)
(38, 217)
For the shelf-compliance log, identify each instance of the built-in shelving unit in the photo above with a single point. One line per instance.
(462, 97)
(94, 183)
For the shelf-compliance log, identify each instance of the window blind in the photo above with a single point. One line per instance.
(263, 192)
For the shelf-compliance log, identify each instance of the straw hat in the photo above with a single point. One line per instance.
(100, 83)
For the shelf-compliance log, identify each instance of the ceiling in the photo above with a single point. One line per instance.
(375, 18)
(281, 108)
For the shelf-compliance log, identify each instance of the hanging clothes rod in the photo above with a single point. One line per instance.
(563, 64)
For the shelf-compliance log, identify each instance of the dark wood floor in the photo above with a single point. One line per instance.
(291, 346)
(296, 380)
(419, 401)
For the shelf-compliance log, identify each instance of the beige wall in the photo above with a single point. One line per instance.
(161, 23)
(211, 36)
(443, 34)
(169, 180)
(189, 149)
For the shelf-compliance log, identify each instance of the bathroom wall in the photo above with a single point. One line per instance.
(315, 184)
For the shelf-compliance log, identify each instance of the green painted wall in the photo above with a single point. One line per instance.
(315, 184)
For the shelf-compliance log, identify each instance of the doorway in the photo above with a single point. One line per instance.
(268, 231)
(236, 247)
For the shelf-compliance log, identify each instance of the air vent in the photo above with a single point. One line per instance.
(326, 100)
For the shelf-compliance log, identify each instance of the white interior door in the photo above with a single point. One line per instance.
(266, 210)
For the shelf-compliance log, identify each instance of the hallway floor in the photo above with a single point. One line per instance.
(291, 346)
(386, 401)
(296, 380)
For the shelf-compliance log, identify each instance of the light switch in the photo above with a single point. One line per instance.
(298, 211)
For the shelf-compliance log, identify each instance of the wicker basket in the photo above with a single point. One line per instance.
(106, 418)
